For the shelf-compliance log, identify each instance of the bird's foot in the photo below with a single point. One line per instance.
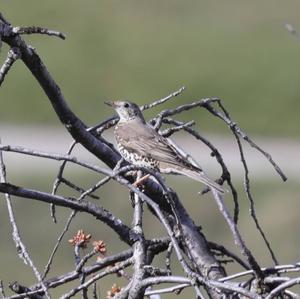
(141, 180)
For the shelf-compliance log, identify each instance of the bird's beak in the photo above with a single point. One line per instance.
(110, 104)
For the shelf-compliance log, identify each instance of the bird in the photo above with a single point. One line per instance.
(141, 145)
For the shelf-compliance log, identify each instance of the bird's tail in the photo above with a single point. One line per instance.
(201, 177)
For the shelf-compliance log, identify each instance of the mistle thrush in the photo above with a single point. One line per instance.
(141, 145)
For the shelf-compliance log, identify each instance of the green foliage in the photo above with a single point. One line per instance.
(142, 50)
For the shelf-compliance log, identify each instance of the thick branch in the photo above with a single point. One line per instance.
(98, 146)
(100, 213)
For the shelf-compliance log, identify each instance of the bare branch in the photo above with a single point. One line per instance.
(37, 30)
(88, 270)
(139, 249)
(3, 19)
(96, 145)
(70, 276)
(83, 261)
(267, 271)
(176, 289)
(79, 189)
(225, 251)
(168, 132)
(54, 156)
(251, 201)
(100, 213)
(163, 100)
(96, 277)
(23, 292)
(207, 103)
(236, 235)
(21, 248)
(12, 56)
(62, 234)
(283, 286)
(233, 288)
(239, 131)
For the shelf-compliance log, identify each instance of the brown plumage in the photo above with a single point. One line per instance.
(141, 145)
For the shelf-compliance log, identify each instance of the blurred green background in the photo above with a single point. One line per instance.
(142, 50)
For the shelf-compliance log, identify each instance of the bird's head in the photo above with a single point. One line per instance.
(126, 110)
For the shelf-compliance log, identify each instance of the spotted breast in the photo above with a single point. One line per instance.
(128, 153)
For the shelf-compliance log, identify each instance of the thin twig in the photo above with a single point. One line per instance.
(95, 187)
(2, 18)
(231, 124)
(283, 286)
(94, 294)
(58, 178)
(207, 103)
(291, 294)
(267, 271)
(251, 201)
(83, 261)
(53, 156)
(105, 125)
(236, 235)
(88, 270)
(68, 223)
(96, 277)
(227, 252)
(247, 186)
(37, 30)
(153, 247)
(12, 56)
(24, 292)
(78, 189)
(168, 132)
(175, 289)
(169, 112)
(66, 227)
(21, 248)
(100, 213)
(163, 100)
(211, 283)
(77, 248)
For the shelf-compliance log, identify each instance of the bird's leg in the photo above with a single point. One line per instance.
(141, 180)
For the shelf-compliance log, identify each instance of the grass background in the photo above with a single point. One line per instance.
(143, 50)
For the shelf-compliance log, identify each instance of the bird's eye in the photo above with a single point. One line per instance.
(126, 105)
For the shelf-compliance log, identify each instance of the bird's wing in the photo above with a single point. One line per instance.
(145, 141)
